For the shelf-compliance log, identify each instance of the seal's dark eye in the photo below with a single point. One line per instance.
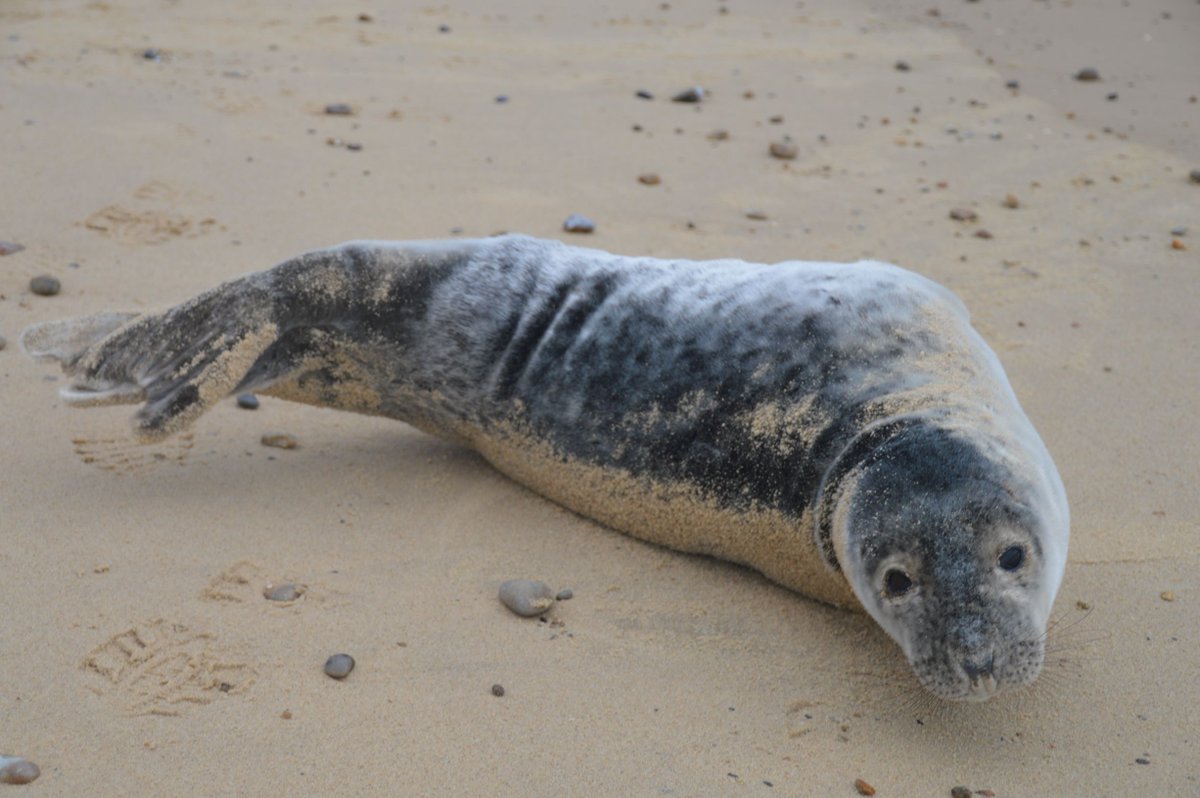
(896, 583)
(1012, 558)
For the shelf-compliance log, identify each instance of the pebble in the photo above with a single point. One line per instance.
(526, 597)
(982, 233)
(284, 591)
(756, 214)
(443, 28)
(578, 223)
(1167, 595)
(152, 54)
(718, 135)
(279, 440)
(960, 792)
(863, 787)
(339, 109)
(566, 594)
(784, 150)
(649, 179)
(1013, 84)
(1141, 760)
(963, 214)
(498, 690)
(3, 342)
(45, 285)
(642, 94)
(1111, 96)
(501, 98)
(15, 770)
(1011, 201)
(1178, 231)
(1194, 176)
(12, 247)
(1087, 75)
(903, 66)
(247, 401)
(693, 95)
(339, 666)
(353, 146)
(1177, 244)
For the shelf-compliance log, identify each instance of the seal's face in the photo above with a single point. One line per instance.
(944, 553)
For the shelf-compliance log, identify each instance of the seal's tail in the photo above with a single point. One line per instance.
(180, 363)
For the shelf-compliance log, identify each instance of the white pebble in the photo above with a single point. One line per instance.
(526, 597)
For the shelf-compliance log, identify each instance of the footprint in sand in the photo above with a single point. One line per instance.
(164, 668)
(123, 455)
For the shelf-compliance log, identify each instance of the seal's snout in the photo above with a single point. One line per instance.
(979, 667)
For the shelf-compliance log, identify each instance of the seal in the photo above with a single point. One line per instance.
(841, 428)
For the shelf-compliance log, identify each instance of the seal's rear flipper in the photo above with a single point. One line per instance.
(67, 340)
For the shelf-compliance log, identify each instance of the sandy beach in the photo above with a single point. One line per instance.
(154, 149)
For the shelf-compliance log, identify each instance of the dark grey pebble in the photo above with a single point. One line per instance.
(339, 109)
(566, 594)
(1141, 760)
(285, 591)
(247, 401)
(498, 690)
(1111, 96)
(443, 28)
(756, 214)
(960, 792)
(1087, 74)
(1013, 84)
(784, 150)
(642, 94)
(353, 146)
(578, 223)
(1179, 231)
(10, 248)
(279, 440)
(502, 98)
(3, 342)
(152, 54)
(526, 597)
(903, 66)
(15, 770)
(693, 95)
(1194, 176)
(45, 285)
(339, 666)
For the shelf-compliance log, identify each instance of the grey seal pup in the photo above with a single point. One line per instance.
(841, 428)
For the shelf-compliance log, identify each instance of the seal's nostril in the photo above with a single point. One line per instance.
(975, 668)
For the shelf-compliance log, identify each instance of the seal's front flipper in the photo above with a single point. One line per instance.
(67, 340)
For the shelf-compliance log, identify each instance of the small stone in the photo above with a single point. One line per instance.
(364, 17)
(152, 54)
(642, 94)
(649, 179)
(962, 214)
(443, 28)
(1111, 96)
(756, 214)
(247, 401)
(279, 440)
(498, 690)
(1087, 75)
(284, 591)
(693, 95)
(578, 223)
(501, 98)
(960, 792)
(863, 787)
(15, 770)
(12, 247)
(339, 666)
(776, 120)
(984, 234)
(1177, 244)
(339, 109)
(353, 146)
(1193, 176)
(526, 597)
(1141, 760)
(286, 714)
(45, 285)
(1082, 605)
(3, 342)
(718, 135)
(1011, 201)
(903, 66)
(1179, 231)
(1013, 84)
(566, 594)
(1167, 595)
(784, 150)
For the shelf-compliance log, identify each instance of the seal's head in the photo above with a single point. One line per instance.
(950, 545)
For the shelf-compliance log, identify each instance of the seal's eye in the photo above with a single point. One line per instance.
(896, 583)
(1012, 558)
